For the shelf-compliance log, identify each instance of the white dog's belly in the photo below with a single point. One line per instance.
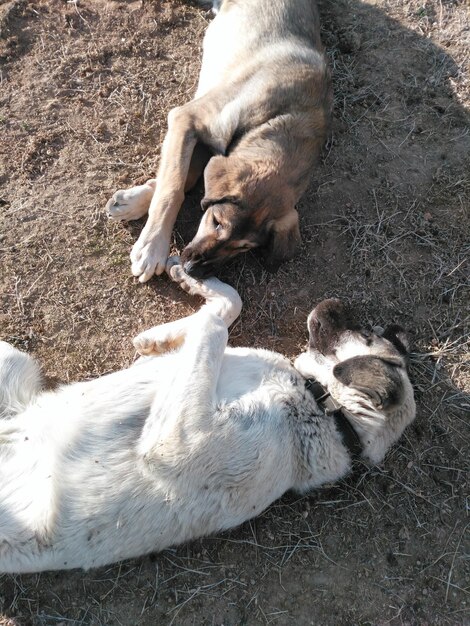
(73, 489)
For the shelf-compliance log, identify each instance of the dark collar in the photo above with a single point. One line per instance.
(324, 400)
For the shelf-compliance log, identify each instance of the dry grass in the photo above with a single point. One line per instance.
(84, 92)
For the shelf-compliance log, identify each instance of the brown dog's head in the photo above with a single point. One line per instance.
(244, 209)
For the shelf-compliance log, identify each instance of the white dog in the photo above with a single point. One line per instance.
(192, 439)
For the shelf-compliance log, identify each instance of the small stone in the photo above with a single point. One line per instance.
(404, 533)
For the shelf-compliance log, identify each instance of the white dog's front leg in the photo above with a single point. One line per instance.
(221, 299)
(186, 397)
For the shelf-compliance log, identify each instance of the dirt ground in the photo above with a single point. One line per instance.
(85, 88)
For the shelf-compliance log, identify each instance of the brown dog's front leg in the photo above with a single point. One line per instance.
(150, 252)
(201, 157)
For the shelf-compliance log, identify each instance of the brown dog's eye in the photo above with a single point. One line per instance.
(215, 222)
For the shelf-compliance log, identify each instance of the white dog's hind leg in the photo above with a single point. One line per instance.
(132, 203)
(221, 299)
(20, 380)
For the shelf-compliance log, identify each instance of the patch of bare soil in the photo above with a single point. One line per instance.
(84, 94)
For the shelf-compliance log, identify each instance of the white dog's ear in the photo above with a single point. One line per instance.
(379, 379)
(399, 337)
(283, 240)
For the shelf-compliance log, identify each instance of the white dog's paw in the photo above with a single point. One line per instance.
(170, 262)
(149, 255)
(177, 274)
(222, 299)
(131, 204)
(160, 339)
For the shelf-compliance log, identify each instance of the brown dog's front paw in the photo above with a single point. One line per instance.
(130, 204)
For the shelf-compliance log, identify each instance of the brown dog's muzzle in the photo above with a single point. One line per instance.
(197, 265)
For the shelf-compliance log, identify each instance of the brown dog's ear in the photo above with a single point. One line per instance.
(283, 240)
(377, 378)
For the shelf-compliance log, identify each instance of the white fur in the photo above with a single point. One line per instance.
(179, 445)
(21, 380)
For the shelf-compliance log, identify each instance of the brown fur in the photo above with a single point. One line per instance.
(256, 126)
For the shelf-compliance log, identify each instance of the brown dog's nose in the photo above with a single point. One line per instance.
(196, 269)
(196, 264)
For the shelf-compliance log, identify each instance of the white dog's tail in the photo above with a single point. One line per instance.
(20, 380)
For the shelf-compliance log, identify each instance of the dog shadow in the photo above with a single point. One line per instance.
(396, 161)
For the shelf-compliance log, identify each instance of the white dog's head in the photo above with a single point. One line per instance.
(365, 373)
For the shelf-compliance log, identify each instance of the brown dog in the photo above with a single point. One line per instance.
(258, 122)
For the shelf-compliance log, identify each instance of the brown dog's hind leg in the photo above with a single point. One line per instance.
(132, 203)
